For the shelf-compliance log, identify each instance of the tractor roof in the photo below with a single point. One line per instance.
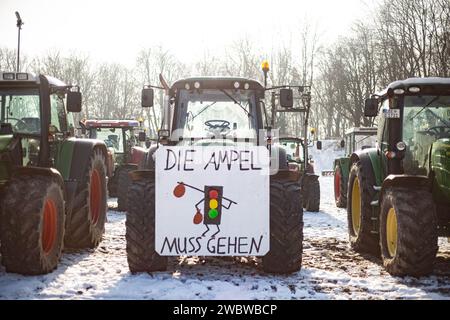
(431, 83)
(217, 83)
(111, 123)
(24, 78)
(368, 131)
(291, 139)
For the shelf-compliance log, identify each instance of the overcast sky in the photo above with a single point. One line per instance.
(112, 30)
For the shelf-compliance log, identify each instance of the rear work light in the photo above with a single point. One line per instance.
(9, 76)
(22, 76)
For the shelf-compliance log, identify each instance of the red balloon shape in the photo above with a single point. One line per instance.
(179, 191)
(198, 218)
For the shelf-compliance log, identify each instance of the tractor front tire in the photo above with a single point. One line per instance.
(408, 232)
(340, 188)
(32, 224)
(359, 210)
(87, 223)
(311, 195)
(123, 181)
(140, 229)
(286, 229)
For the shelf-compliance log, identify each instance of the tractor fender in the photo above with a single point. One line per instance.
(407, 181)
(37, 171)
(78, 153)
(370, 160)
(148, 162)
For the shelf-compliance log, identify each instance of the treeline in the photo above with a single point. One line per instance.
(406, 38)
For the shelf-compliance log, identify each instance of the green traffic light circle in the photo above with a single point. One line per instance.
(213, 213)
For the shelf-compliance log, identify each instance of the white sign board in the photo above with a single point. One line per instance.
(212, 201)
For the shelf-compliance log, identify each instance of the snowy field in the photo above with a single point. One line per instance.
(330, 271)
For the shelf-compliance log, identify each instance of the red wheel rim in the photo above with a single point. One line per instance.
(337, 184)
(49, 226)
(95, 195)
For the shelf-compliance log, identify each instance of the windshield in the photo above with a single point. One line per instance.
(217, 113)
(294, 150)
(21, 109)
(111, 136)
(426, 119)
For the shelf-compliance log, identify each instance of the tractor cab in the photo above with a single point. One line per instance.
(33, 107)
(359, 139)
(120, 136)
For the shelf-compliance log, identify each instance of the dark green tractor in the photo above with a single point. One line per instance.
(355, 139)
(297, 154)
(52, 185)
(399, 192)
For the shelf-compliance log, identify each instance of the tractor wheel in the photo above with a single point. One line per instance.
(87, 222)
(123, 181)
(340, 188)
(286, 229)
(32, 225)
(140, 229)
(359, 211)
(311, 200)
(408, 232)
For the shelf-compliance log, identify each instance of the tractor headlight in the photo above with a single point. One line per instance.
(187, 86)
(197, 85)
(401, 146)
(237, 85)
(414, 89)
(399, 91)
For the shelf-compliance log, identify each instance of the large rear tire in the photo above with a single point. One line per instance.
(32, 225)
(140, 229)
(359, 210)
(123, 181)
(408, 232)
(340, 188)
(87, 223)
(286, 229)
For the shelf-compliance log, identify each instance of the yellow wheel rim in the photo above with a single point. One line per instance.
(356, 206)
(391, 232)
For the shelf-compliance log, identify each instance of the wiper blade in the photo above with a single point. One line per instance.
(428, 104)
(236, 102)
(204, 109)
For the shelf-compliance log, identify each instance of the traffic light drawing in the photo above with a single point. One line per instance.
(213, 203)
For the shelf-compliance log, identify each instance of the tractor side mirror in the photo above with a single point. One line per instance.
(342, 143)
(147, 97)
(371, 108)
(287, 98)
(74, 101)
(319, 145)
(142, 137)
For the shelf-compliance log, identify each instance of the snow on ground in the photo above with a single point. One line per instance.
(330, 271)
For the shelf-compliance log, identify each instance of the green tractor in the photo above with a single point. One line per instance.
(52, 185)
(355, 139)
(122, 138)
(297, 152)
(216, 184)
(399, 192)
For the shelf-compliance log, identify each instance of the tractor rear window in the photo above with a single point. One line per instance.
(21, 108)
(426, 119)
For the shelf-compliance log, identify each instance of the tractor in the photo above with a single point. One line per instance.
(216, 184)
(52, 186)
(297, 153)
(355, 139)
(122, 138)
(399, 192)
